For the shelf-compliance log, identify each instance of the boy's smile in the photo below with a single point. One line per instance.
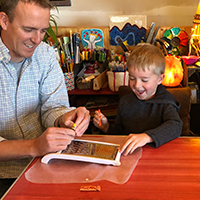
(144, 83)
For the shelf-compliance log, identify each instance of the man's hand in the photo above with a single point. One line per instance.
(52, 140)
(133, 141)
(79, 116)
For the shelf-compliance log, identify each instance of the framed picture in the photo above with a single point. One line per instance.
(61, 2)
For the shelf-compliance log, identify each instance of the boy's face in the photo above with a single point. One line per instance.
(144, 83)
(26, 31)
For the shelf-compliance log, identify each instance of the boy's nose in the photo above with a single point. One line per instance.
(137, 84)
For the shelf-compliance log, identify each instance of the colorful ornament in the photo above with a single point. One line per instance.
(177, 39)
(92, 39)
(130, 35)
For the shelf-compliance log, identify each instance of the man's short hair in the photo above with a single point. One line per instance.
(8, 6)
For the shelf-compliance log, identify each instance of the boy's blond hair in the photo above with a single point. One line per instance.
(146, 56)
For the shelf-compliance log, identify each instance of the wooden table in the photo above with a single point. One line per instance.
(169, 172)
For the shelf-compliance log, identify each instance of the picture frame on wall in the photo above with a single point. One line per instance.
(61, 2)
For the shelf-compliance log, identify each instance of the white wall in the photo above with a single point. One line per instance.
(95, 13)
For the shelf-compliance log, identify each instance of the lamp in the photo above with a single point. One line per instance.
(173, 71)
(195, 33)
(196, 24)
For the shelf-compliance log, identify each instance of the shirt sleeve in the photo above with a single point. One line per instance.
(53, 92)
(170, 128)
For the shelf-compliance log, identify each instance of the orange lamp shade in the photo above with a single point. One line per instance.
(173, 71)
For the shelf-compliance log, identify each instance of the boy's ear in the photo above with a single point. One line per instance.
(161, 78)
(3, 20)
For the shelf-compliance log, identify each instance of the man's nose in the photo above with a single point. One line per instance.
(37, 37)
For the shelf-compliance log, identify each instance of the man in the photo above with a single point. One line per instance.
(35, 116)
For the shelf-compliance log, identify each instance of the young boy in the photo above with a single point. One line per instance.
(149, 114)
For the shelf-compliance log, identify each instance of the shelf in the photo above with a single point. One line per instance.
(85, 97)
(103, 91)
(192, 69)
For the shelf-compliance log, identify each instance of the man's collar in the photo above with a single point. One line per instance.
(4, 53)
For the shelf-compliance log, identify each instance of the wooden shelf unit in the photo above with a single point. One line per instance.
(80, 97)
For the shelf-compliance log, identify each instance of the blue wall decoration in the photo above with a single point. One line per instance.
(130, 35)
(92, 39)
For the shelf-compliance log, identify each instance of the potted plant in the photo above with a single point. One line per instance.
(50, 32)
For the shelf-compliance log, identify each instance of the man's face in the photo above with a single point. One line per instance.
(26, 31)
(144, 83)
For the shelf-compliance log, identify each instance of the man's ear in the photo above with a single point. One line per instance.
(161, 78)
(3, 20)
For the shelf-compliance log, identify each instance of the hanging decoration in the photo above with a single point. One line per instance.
(129, 29)
(177, 40)
(92, 39)
(130, 35)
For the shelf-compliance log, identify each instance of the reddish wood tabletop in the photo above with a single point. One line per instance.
(169, 172)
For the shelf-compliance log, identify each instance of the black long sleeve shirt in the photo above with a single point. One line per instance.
(157, 117)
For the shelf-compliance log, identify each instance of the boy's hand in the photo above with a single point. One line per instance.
(133, 141)
(103, 125)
